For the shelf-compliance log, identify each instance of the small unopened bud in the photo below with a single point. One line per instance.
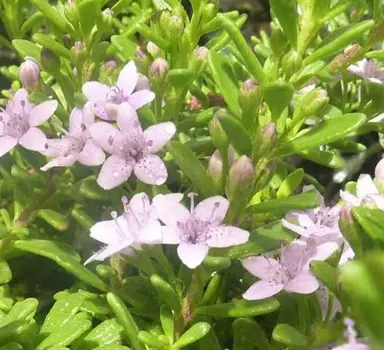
(265, 140)
(218, 135)
(141, 60)
(202, 53)
(249, 101)
(291, 62)
(314, 102)
(269, 132)
(215, 168)
(159, 68)
(71, 12)
(78, 53)
(110, 65)
(278, 41)
(175, 27)
(153, 49)
(351, 230)
(209, 11)
(240, 177)
(107, 17)
(29, 73)
(49, 61)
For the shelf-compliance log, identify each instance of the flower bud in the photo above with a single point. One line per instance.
(314, 102)
(107, 18)
(141, 60)
(202, 53)
(215, 168)
(241, 175)
(159, 68)
(198, 62)
(110, 65)
(71, 12)
(249, 101)
(153, 49)
(29, 73)
(278, 41)
(49, 61)
(218, 135)
(351, 230)
(265, 140)
(291, 62)
(175, 28)
(208, 12)
(269, 133)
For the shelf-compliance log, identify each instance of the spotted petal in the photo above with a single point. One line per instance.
(91, 154)
(42, 112)
(76, 121)
(262, 289)
(169, 209)
(157, 136)
(127, 120)
(128, 78)
(34, 139)
(226, 236)
(106, 136)
(212, 209)
(192, 255)
(151, 170)
(304, 283)
(60, 161)
(114, 172)
(261, 266)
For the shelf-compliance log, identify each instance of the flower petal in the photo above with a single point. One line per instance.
(114, 172)
(76, 121)
(296, 228)
(304, 283)
(106, 136)
(226, 236)
(128, 78)
(60, 161)
(99, 109)
(42, 112)
(262, 290)
(111, 231)
(95, 91)
(142, 83)
(127, 120)
(19, 104)
(140, 98)
(349, 198)
(261, 267)
(212, 209)
(192, 255)
(169, 209)
(6, 144)
(139, 211)
(91, 154)
(150, 233)
(151, 170)
(157, 136)
(171, 235)
(108, 251)
(365, 186)
(34, 139)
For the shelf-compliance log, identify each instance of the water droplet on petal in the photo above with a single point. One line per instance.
(160, 180)
(116, 174)
(170, 129)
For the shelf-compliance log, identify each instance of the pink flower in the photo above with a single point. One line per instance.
(367, 70)
(138, 225)
(106, 99)
(76, 145)
(353, 343)
(366, 194)
(19, 121)
(290, 273)
(197, 229)
(131, 149)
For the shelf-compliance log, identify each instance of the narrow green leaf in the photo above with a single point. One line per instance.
(290, 183)
(325, 273)
(167, 323)
(193, 334)
(5, 272)
(90, 13)
(26, 48)
(57, 220)
(22, 311)
(191, 167)
(306, 200)
(59, 253)
(287, 335)
(239, 308)
(225, 79)
(180, 78)
(286, 13)
(249, 332)
(166, 293)
(47, 42)
(325, 158)
(323, 134)
(125, 46)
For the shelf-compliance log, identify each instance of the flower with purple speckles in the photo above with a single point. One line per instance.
(106, 99)
(367, 70)
(131, 149)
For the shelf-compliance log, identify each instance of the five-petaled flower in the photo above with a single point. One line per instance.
(198, 229)
(19, 121)
(367, 70)
(290, 273)
(138, 225)
(131, 149)
(107, 99)
(75, 145)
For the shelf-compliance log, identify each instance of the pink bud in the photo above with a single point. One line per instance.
(249, 86)
(379, 170)
(29, 73)
(153, 49)
(269, 132)
(215, 166)
(202, 53)
(159, 68)
(110, 65)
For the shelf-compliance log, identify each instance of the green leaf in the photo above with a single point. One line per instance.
(167, 323)
(237, 134)
(26, 48)
(126, 320)
(338, 40)
(239, 308)
(57, 220)
(66, 335)
(180, 78)
(47, 42)
(325, 158)
(107, 332)
(249, 332)
(5, 272)
(225, 79)
(166, 293)
(63, 257)
(323, 134)
(306, 200)
(90, 13)
(371, 220)
(286, 13)
(277, 95)
(193, 334)
(325, 273)
(308, 72)
(125, 46)
(287, 335)
(290, 183)
(192, 168)
(22, 311)
(150, 340)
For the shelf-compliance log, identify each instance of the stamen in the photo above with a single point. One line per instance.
(128, 209)
(215, 207)
(192, 196)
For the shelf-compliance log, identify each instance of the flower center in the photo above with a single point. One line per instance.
(194, 230)
(115, 95)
